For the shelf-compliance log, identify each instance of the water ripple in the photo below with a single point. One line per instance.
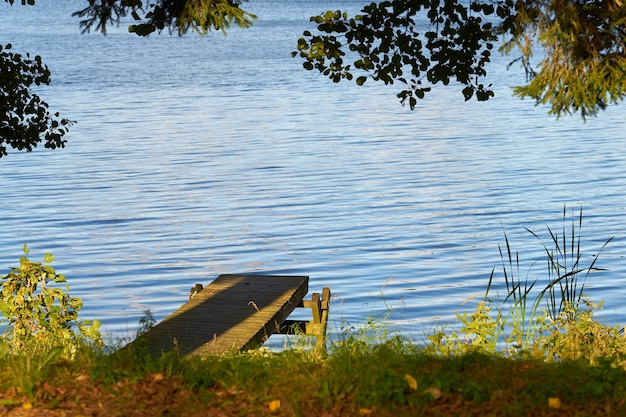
(199, 156)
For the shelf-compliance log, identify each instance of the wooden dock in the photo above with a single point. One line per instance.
(236, 312)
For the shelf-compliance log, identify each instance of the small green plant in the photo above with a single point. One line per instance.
(564, 285)
(146, 323)
(577, 335)
(38, 312)
(547, 322)
(28, 368)
(479, 333)
(523, 319)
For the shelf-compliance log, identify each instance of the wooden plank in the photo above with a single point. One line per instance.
(316, 308)
(234, 312)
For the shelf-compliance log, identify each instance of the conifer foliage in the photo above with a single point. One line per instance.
(584, 53)
(156, 15)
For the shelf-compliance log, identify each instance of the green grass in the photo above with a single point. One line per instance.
(356, 378)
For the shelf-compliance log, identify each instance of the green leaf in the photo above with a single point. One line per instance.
(361, 80)
(468, 92)
(143, 29)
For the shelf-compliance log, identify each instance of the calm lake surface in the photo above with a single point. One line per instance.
(195, 156)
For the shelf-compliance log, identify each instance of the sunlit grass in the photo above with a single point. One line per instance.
(358, 377)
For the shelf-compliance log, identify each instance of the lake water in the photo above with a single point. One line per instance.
(195, 156)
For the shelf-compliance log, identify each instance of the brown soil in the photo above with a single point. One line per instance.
(158, 396)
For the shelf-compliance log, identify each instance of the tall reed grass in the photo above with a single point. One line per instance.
(537, 314)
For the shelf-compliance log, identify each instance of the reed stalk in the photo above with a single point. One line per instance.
(563, 291)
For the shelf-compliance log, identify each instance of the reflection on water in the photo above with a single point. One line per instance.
(193, 157)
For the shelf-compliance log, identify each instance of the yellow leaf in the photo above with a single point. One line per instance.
(554, 402)
(412, 382)
(27, 406)
(158, 377)
(273, 405)
(365, 411)
(82, 378)
(434, 392)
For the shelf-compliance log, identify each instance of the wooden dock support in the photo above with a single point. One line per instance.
(320, 307)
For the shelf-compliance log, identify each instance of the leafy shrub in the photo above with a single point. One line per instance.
(585, 338)
(38, 312)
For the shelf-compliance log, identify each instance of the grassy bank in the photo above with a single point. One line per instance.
(391, 378)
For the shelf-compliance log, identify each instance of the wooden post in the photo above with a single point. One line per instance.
(320, 342)
(320, 307)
